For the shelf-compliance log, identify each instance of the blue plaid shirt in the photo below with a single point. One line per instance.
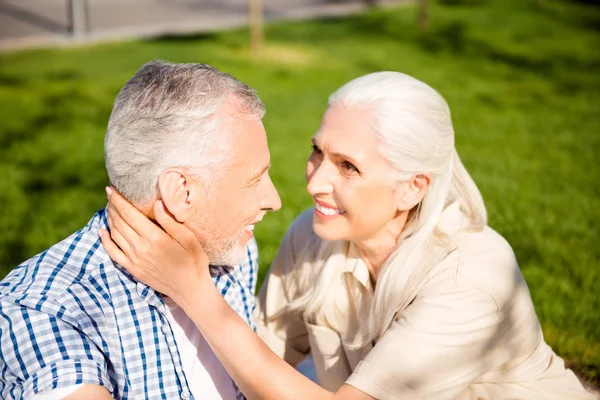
(71, 316)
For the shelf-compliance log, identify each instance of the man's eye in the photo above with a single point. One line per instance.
(315, 149)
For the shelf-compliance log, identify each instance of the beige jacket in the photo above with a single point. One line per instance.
(471, 331)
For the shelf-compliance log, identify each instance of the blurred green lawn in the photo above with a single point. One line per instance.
(521, 77)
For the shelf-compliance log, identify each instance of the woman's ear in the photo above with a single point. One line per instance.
(174, 186)
(412, 191)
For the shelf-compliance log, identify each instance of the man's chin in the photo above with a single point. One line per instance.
(233, 257)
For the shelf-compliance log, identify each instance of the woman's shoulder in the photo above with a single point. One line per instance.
(486, 260)
(301, 243)
(480, 259)
(303, 224)
(301, 234)
(485, 247)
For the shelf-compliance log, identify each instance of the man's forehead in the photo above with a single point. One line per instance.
(251, 154)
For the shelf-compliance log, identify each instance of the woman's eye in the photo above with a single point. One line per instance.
(349, 167)
(315, 149)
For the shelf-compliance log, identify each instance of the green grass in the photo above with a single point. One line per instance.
(520, 76)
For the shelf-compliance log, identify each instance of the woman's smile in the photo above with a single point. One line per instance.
(327, 211)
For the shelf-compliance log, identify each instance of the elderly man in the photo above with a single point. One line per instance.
(73, 323)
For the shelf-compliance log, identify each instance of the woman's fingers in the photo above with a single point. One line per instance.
(131, 223)
(166, 259)
(114, 251)
(117, 204)
(179, 232)
(122, 234)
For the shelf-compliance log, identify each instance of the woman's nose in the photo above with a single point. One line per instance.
(319, 179)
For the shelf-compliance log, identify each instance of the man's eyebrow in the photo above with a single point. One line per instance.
(259, 174)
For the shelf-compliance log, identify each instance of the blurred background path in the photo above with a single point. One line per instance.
(30, 23)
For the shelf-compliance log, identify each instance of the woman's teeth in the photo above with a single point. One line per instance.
(327, 210)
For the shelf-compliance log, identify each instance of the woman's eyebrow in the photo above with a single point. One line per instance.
(338, 155)
(347, 158)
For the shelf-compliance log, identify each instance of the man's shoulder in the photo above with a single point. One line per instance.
(68, 262)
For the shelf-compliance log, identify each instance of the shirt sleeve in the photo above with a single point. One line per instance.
(435, 349)
(282, 330)
(56, 393)
(43, 347)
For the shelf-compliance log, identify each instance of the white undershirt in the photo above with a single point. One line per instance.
(206, 376)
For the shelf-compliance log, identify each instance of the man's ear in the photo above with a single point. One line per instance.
(175, 187)
(412, 191)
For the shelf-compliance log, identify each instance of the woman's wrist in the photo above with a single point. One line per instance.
(199, 297)
(186, 280)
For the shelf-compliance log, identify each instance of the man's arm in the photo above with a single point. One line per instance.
(42, 348)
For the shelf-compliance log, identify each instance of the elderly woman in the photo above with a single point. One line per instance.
(393, 281)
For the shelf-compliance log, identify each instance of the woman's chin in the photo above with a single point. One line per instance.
(328, 232)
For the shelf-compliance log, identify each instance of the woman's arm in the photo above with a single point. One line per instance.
(259, 373)
(174, 264)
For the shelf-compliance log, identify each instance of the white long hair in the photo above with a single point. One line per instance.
(413, 123)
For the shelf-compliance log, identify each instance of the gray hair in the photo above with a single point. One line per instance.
(165, 117)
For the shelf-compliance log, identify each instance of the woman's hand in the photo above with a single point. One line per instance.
(174, 263)
(170, 260)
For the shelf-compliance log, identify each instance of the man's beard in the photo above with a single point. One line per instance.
(229, 253)
(220, 250)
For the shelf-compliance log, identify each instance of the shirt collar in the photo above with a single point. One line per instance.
(147, 293)
(355, 265)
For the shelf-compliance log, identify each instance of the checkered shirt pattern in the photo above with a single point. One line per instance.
(71, 316)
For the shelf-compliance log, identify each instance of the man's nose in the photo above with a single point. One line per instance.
(271, 200)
